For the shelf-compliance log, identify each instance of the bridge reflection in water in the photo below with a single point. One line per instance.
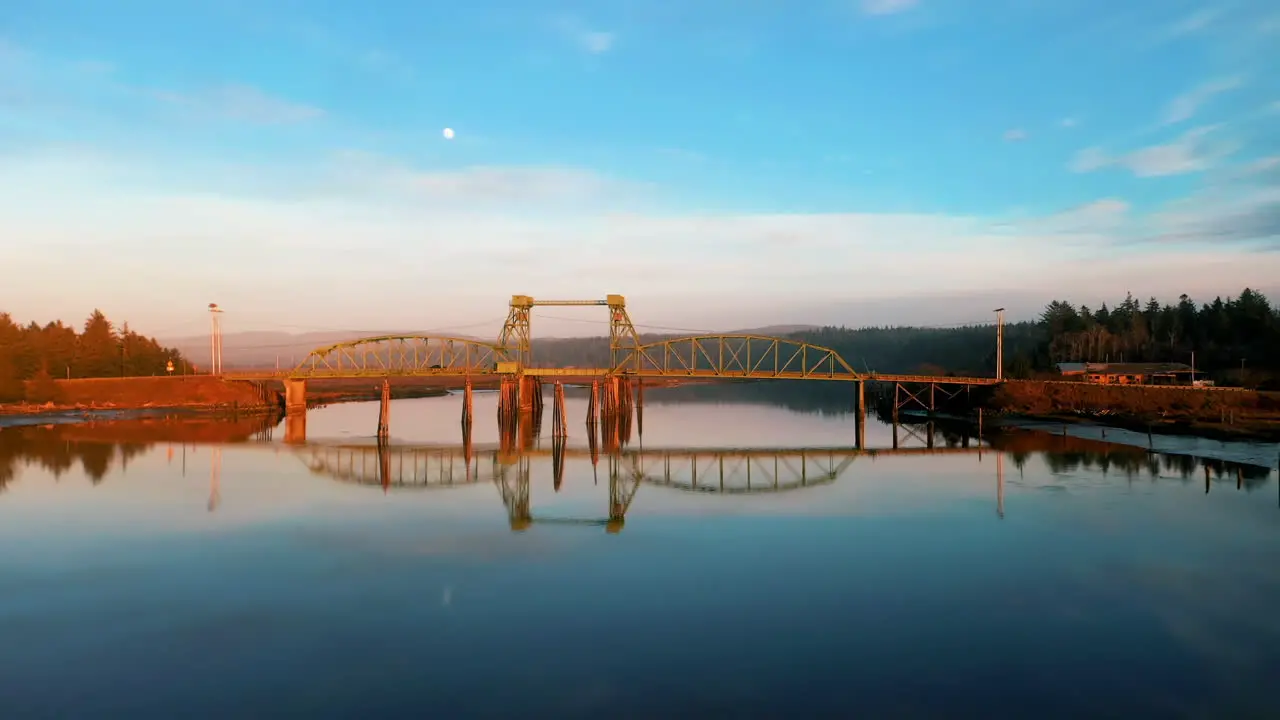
(694, 470)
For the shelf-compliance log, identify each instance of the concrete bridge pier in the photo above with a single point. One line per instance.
(295, 396)
(295, 411)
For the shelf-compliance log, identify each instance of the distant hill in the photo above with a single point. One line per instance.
(776, 330)
(262, 349)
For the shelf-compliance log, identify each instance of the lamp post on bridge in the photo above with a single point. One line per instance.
(999, 343)
(215, 340)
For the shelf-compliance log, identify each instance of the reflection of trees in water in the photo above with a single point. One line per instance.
(1134, 462)
(815, 397)
(47, 448)
(96, 447)
(1066, 454)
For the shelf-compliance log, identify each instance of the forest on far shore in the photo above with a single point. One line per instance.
(41, 353)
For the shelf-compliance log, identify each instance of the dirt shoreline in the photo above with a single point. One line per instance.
(1213, 414)
(1252, 430)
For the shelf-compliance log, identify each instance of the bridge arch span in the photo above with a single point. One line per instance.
(401, 355)
(754, 357)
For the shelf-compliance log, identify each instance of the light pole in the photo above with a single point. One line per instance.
(215, 340)
(999, 343)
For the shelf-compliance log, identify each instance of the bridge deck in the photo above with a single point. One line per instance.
(569, 375)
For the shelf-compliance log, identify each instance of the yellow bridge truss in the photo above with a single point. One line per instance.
(711, 356)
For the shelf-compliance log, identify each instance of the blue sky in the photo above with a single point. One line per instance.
(723, 164)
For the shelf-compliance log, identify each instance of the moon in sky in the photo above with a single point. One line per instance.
(448, 133)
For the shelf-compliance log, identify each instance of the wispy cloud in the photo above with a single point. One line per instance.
(94, 67)
(9, 52)
(1015, 135)
(1193, 23)
(445, 238)
(243, 103)
(1185, 106)
(1089, 159)
(382, 62)
(596, 42)
(1193, 151)
(591, 40)
(1251, 218)
(887, 7)
(1094, 222)
(1068, 122)
(476, 188)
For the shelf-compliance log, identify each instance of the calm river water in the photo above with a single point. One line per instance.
(737, 560)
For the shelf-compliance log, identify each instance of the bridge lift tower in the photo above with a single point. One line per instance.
(515, 338)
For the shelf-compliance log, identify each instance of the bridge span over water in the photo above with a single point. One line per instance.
(706, 357)
(466, 362)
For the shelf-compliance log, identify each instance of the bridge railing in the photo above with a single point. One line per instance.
(397, 355)
(735, 356)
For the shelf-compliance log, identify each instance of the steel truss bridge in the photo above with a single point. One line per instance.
(698, 357)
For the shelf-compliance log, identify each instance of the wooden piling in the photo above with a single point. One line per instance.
(559, 427)
(384, 411)
(466, 406)
(640, 410)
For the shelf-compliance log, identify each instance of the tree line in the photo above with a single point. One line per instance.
(1223, 335)
(31, 356)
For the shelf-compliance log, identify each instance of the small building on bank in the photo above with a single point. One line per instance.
(1129, 373)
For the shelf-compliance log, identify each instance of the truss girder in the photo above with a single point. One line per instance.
(407, 355)
(754, 357)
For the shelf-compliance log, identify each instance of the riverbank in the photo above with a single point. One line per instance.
(113, 398)
(190, 394)
(1214, 413)
(1242, 430)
